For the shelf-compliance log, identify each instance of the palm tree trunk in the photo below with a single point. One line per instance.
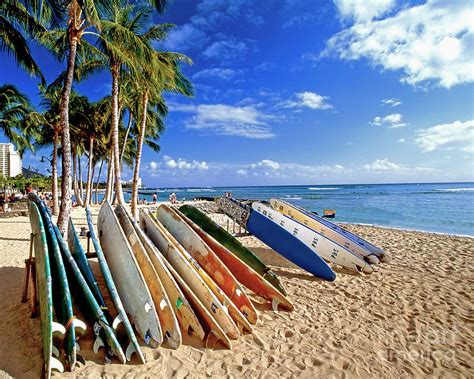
(54, 174)
(115, 132)
(65, 209)
(97, 183)
(126, 138)
(79, 168)
(109, 185)
(89, 173)
(136, 171)
(74, 178)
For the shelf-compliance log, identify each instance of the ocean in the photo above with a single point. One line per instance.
(433, 207)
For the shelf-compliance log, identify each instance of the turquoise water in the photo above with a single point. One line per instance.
(435, 207)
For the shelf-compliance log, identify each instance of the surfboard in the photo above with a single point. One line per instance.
(79, 255)
(62, 301)
(43, 284)
(214, 330)
(244, 254)
(87, 304)
(242, 272)
(185, 267)
(338, 234)
(287, 245)
(128, 278)
(274, 236)
(168, 322)
(182, 308)
(122, 317)
(324, 247)
(218, 275)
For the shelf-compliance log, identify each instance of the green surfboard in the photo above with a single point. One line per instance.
(62, 301)
(232, 244)
(44, 289)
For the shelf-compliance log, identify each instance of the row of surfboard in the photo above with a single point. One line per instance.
(170, 274)
(309, 241)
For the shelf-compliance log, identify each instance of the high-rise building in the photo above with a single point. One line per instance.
(10, 161)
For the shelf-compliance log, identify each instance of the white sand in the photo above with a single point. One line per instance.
(412, 317)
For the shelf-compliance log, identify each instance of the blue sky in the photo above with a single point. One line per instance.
(310, 92)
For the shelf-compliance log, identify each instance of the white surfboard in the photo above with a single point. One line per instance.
(130, 283)
(324, 247)
(349, 240)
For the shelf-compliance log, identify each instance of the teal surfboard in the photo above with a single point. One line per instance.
(85, 300)
(109, 282)
(44, 289)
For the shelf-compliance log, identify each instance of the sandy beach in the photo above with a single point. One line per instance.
(412, 317)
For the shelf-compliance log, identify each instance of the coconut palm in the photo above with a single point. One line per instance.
(98, 117)
(14, 109)
(82, 15)
(22, 19)
(46, 132)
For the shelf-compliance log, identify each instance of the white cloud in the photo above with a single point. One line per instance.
(383, 165)
(221, 73)
(360, 10)
(227, 49)
(266, 163)
(455, 136)
(401, 140)
(394, 120)
(310, 100)
(181, 164)
(431, 42)
(221, 119)
(281, 170)
(394, 102)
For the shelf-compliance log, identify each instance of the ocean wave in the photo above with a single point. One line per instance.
(293, 197)
(322, 188)
(454, 189)
(200, 190)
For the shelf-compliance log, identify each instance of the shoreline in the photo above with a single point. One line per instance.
(343, 223)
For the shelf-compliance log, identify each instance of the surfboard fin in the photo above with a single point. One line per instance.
(55, 351)
(56, 364)
(116, 322)
(147, 307)
(275, 303)
(130, 350)
(163, 304)
(79, 325)
(98, 343)
(58, 328)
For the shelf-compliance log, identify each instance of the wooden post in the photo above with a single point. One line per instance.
(88, 242)
(34, 298)
(24, 298)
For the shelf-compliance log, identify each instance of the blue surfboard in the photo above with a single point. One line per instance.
(287, 245)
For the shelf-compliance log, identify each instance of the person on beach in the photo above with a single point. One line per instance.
(173, 198)
(154, 198)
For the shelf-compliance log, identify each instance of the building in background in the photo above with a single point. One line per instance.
(10, 161)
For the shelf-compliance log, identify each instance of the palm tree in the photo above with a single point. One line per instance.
(98, 117)
(14, 109)
(22, 19)
(47, 132)
(82, 15)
